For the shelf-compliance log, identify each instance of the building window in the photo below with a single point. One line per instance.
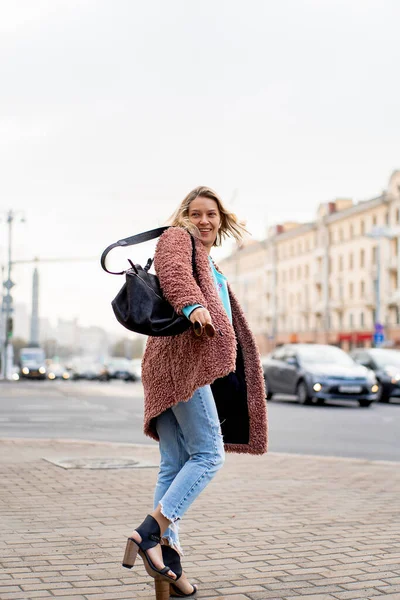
(351, 320)
(307, 271)
(387, 218)
(298, 272)
(374, 255)
(350, 261)
(351, 231)
(374, 220)
(362, 324)
(362, 228)
(398, 215)
(340, 263)
(362, 258)
(397, 315)
(340, 235)
(362, 289)
(351, 289)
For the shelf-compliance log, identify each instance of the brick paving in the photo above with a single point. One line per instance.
(284, 527)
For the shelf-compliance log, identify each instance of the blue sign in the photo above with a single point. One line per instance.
(379, 328)
(379, 338)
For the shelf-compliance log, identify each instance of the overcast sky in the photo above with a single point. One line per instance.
(112, 110)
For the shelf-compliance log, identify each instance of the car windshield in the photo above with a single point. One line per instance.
(324, 355)
(386, 358)
(32, 354)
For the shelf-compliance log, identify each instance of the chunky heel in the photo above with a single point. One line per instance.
(162, 589)
(149, 531)
(172, 558)
(131, 552)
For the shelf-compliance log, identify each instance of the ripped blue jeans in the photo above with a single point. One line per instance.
(192, 451)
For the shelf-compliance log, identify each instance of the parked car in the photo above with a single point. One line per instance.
(318, 371)
(15, 373)
(86, 369)
(385, 363)
(57, 371)
(121, 368)
(137, 367)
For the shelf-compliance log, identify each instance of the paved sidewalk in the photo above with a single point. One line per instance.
(277, 526)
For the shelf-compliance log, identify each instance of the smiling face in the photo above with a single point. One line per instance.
(204, 213)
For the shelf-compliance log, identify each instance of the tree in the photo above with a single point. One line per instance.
(128, 348)
(18, 343)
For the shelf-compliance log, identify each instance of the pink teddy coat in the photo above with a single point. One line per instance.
(174, 367)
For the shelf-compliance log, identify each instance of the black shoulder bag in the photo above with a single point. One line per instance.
(140, 305)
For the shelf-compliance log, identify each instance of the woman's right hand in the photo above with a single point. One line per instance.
(201, 315)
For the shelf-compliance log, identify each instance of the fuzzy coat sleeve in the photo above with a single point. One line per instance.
(173, 265)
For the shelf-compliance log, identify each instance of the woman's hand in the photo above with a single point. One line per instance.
(201, 315)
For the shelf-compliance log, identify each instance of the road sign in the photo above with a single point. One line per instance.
(7, 309)
(379, 328)
(379, 338)
(8, 284)
(7, 300)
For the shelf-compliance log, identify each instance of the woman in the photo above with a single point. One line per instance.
(204, 393)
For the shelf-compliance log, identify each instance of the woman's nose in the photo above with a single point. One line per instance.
(203, 219)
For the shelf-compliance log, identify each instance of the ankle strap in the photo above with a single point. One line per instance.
(149, 531)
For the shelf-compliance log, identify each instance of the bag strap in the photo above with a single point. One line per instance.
(138, 239)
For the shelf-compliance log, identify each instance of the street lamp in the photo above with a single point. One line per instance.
(7, 309)
(378, 233)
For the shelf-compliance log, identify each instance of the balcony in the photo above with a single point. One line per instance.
(318, 277)
(369, 299)
(394, 298)
(392, 263)
(319, 307)
(337, 304)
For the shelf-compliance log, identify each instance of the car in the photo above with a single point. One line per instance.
(385, 363)
(57, 371)
(32, 363)
(318, 371)
(89, 370)
(121, 368)
(137, 367)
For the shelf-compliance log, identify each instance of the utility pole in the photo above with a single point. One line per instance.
(8, 309)
(2, 326)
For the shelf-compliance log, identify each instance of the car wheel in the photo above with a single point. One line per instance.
(268, 389)
(383, 393)
(302, 394)
(365, 403)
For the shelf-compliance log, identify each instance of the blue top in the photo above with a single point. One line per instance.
(221, 284)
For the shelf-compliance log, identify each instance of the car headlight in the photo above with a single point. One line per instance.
(375, 388)
(51, 376)
(42, 370)
(65, 376)
(15, 376)
(25, 370)
(317, 387)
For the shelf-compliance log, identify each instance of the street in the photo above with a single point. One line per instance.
(113, 412)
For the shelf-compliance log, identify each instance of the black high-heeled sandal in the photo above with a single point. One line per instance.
(149, 531)
(172, 558)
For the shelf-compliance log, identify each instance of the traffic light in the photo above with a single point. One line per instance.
(9, 327)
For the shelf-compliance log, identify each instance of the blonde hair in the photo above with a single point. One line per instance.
(230, 224)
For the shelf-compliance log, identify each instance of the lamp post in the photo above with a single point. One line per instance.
(7, 308)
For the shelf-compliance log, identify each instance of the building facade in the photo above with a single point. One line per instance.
(334, 280)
